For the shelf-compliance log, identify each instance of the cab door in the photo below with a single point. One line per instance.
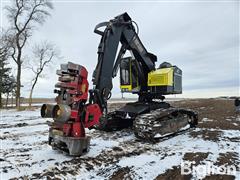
(128, 75)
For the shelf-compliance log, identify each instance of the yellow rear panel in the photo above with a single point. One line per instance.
(161, 77)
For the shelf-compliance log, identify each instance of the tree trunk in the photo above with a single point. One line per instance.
(12, 100)
(30, 98)
(1, 100)
(31, 92)
(18, 92)
(7, 100)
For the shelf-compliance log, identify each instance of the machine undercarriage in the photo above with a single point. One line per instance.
(149, 121)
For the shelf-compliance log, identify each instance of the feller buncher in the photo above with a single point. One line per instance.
(150, 117)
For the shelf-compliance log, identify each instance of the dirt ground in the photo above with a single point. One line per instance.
(213, 114)
(119, 155)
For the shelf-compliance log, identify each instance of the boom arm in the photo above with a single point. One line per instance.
(119, 29)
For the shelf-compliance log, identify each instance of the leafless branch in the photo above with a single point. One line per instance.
(23, 16)
(43, 54)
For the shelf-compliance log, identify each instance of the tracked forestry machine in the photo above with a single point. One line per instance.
(150, 117)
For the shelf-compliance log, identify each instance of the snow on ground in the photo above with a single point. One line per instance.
(25, 152)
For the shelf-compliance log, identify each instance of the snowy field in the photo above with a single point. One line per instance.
(116, 155)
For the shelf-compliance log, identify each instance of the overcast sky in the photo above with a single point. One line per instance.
(202, 38)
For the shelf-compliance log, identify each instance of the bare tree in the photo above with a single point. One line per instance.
(43, 55)
(23, 16)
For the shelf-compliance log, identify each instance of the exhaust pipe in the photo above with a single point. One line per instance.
(46, 110)
(61, 113)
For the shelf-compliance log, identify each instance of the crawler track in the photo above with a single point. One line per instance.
(163, 122)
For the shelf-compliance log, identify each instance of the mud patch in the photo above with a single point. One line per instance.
(219, 177)
(197, 157)
(121, 173)
(229, 158)
(217, 110)
(15, 125)
(172, 174)
(207, 134)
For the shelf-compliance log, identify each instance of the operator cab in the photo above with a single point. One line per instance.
(129, 76)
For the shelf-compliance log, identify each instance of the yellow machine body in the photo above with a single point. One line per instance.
(165, 80)
(161, 77)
